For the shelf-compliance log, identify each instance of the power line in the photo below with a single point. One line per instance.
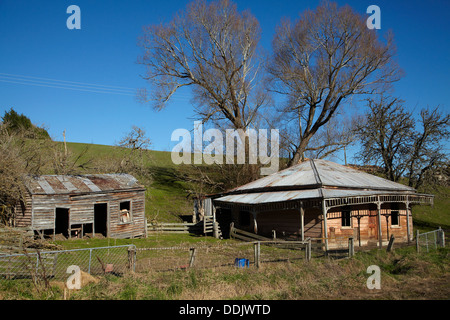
(73, 85)
(56, 80)
(69, 88)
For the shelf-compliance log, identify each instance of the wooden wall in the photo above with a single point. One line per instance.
(23, 213)
(288, 222)
(40, 211)
(367, 229)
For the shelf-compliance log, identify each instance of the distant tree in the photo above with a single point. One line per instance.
(135, 159)
(386, 135)
(390, 137)
(135, 139)
(15, 122)
(323, 59)
(19, 156)
(427, 152)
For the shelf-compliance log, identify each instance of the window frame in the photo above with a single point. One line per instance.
(346, 217)
(395, 211)
(130, 212)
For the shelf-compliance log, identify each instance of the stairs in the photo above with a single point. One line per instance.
(208, 227)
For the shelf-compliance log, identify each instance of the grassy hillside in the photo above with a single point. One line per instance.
(427, 217)
(166, 194)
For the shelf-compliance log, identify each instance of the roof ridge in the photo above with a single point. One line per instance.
(316, 173)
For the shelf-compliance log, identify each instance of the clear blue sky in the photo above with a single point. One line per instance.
(35, 44)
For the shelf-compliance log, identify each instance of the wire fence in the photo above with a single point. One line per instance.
(120, 260)
(430, 240)
(116, 260)
(244, 254)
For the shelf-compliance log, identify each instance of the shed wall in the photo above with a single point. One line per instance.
(81, 211)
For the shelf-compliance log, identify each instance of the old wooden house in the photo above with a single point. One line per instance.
(321, 200)
(112, 205)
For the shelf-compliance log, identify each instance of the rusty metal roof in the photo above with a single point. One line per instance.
(313, 179)
(322, 173)
(281, 196)
(81, 184)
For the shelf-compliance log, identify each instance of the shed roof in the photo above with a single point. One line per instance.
(81, 184)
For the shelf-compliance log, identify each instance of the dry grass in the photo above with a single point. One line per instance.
(404, 275)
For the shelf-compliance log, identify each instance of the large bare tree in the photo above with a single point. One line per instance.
(212, 48)
(323, 59)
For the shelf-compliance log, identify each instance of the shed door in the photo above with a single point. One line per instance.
(101, 218)
(62, 221)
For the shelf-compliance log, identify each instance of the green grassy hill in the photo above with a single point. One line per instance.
(166, 193)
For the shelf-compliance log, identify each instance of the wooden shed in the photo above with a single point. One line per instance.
(324, 201)
(112, 205)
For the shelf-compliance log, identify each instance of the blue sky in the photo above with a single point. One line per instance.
(36, 45)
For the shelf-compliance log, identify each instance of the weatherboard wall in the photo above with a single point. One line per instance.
(39, 211)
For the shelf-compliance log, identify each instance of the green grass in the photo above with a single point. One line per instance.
(153, 240)
(432, 217)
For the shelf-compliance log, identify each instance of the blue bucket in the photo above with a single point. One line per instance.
(241, 263)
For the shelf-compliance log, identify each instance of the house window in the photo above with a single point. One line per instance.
(394, 215)
(125, 212)
(346, 220)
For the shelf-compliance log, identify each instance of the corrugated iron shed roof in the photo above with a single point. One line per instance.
(318, 173)
(80, 184)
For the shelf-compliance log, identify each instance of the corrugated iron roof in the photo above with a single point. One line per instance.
(318, 173)
(267, 197)
(319, 179)
(281, 196)
(70, 184)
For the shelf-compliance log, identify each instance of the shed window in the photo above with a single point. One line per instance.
(394, 215)
(125, 212)
(346, 218)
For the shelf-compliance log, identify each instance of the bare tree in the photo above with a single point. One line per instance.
(386, 135)
(427, 153)
(323, 59)
(212, 48)
(390, 137)
(135, 158)
(136, 139)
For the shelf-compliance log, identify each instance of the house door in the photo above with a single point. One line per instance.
(62, 221)
(101, 218)
(373, 226)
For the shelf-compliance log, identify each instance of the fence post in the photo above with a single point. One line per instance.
(441, 237)
(132, 258)
(351, 247)
(192, 257)
(417, 241)
(308, 250)
(391, 243)
(257, 248)
(90, 259)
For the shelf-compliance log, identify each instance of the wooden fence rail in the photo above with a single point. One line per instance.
(202, 227)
